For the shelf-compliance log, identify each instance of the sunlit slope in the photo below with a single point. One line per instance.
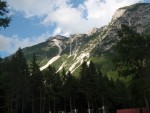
(96, 45)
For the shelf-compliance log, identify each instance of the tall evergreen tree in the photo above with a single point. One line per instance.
(70, 90)
(86, 83)
(64, 90)
(2, 85)
(36, 82)
(16, 83)
(4, 19)
(21, 72)
(132, 60)
(52, 82)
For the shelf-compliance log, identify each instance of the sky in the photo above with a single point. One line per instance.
(34, 21)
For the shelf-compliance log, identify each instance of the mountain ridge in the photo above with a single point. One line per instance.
(70, 52)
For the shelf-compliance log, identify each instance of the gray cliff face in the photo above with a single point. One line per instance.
(136, 16)
(70, 52)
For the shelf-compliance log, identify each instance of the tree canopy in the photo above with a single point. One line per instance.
(132, 58)
(4, 18)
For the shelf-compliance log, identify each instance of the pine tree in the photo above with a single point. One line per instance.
(4, 19)
(132, 59)
(2, 86)
(7, 85)
(36, 82)
(85, 83)
(70, 87)
(15, 83)
(53, 84)
(63, 94)
(20, 81)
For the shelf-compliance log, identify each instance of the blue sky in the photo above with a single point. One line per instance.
(34, 21)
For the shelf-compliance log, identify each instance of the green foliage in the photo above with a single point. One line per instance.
(36, 84)
(48, 90)
(132, 59)
(34, 91)
(16, 83)
(4, 19)
(93, 85)
(41, 50)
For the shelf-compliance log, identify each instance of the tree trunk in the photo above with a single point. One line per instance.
(95, 103)
(49, 107)
(40, 100)
(70, 105)
(103, 107)
(17, 106)
(74, 103)
(11, 102)
(65, 105)
(146, 102)
(54, 106)
(43, 103)
(32, 104)
(5, 107)
(22, 109)
(88, 103)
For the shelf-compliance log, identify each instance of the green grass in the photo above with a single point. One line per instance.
(59, 61)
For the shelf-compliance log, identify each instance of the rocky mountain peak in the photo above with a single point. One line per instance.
(70, 52)
(118, 14)
(136, 16)
(92, 31)
(59, 37)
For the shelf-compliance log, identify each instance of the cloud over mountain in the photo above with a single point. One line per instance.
(11, 44)
(65, 16)
(70, 19)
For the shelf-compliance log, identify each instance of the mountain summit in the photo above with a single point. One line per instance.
(70, 52)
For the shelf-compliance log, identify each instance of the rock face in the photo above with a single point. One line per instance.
(136, 16)
(70, 52)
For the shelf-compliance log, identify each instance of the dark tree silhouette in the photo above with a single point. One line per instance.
(4, 18)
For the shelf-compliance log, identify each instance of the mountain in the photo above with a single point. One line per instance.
(136, 16)
(70, 52)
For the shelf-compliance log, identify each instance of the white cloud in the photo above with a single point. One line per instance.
(89, 14)
(68, 19)
(4, 43)
(57, 31)
(11, 44)
(36, 7)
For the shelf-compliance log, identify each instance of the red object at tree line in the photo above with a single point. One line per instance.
(132, 110)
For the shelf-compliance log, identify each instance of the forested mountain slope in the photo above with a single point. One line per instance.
(70, 52)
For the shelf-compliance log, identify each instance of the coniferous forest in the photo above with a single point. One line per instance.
(26, 89)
